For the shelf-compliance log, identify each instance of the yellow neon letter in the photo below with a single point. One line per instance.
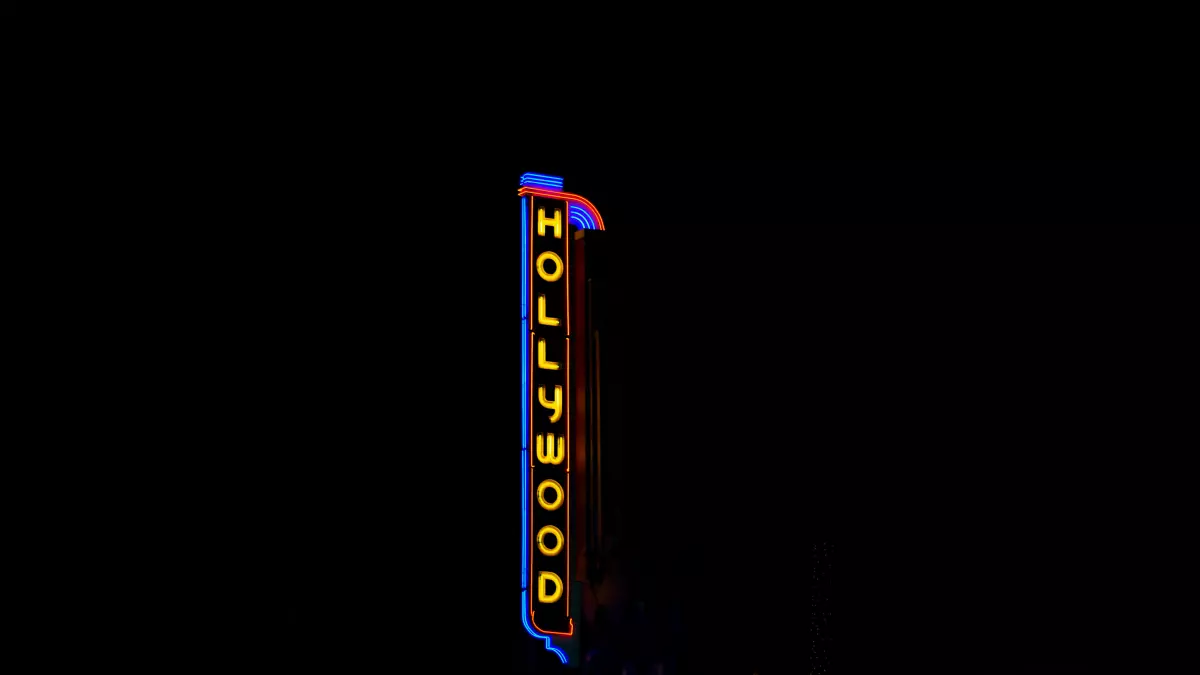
(542, 577)
(556, 223)
(556, 405)
(558, 500)
(547, 455)
(550, 529)
(542, 362)
(542, 318)
(541, 266)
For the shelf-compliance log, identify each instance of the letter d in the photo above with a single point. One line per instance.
(542, 577)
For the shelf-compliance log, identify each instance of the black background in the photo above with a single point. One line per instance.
(960, 373)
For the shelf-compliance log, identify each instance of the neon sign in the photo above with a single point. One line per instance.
(546, 410)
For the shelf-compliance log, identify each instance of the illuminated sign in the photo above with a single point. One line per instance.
(547, 217)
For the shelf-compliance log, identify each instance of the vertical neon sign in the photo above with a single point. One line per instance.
(546, 411)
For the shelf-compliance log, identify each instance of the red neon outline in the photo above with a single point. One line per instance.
(570, 621)
(552, 194)
(566, 410)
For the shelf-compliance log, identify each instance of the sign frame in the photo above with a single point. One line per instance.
(539, 192)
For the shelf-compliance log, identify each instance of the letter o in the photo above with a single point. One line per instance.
(541, 266)
(550, 529)
(557, 489)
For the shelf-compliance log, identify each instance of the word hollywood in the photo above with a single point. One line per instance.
(549, 423)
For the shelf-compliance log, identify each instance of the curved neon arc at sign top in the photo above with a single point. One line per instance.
(574, 204)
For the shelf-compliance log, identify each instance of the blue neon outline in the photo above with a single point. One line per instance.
(579, 216)
(524, 323)
(550, 181)
(533, 174)
(583, 217)
(525, 441)
(538, 183)
(586, 216)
